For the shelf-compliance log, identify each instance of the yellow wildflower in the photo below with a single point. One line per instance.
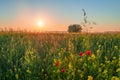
(45, 75)
(80, 59)
(59, 53)
(72, 56)
(98, 51)
(93, 56)
(115, 78)
(58, 71)
(107, 62)
(99, 69)
(55, 60)
(73, 73)
(84, 64)
(116, 47)
(70, 66)
(106, 58)
(113, 61)
(89, 58)
(19, 69)
(101, 64)
(28, 71)
(105, 72)
(81, 75)
(118, 70)
(114, 57)
(94, 65)
(42, 70)
(16, 76)
(90, 78)
(99, 46)
(65, 59)
(78, 71)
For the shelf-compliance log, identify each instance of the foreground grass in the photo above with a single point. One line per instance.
(51, 56)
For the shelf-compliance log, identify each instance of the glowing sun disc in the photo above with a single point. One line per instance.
(40, 24)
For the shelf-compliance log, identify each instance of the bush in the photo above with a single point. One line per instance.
(74, 28)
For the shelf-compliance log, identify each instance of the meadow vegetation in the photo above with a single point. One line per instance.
(57, 56)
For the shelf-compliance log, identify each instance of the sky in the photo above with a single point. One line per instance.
(57, 15)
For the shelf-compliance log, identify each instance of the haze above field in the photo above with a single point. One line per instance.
(57, 15)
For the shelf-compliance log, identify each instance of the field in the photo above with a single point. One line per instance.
(57, 56)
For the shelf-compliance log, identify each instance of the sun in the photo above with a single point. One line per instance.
(40, 23)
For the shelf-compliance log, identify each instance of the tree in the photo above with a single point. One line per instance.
(74, 28)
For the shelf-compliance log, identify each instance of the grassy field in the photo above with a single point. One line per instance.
(55, 56)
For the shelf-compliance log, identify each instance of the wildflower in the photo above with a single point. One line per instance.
(54, 60)
(108, 61)
(90, 78)
(70, 66)
(45, 74)
(99, 46)
(81, 75)
(105, 72)
(80, 59)
(42, 70)
(106, 58)
(118, 70)
(89, 58)
(28, 71)
(84, 64)
(99, 69)
(81, 54)
(73, 73)
(114, 78)
(116, 47)
(65, 59)
(63, 70)
(94, 65)
(59, 53)
(57, 63)
(72, 56)
(98, 51)
(16, 76)
(93, 56)
(53, 71)
(88, 52)
(114, 57)
(58, 71)
(19, 69)
(113, 61)
(78, 70)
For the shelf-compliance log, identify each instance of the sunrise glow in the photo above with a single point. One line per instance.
(40, 23)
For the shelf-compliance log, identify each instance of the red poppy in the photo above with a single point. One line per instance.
(57, 63)
(63, 70)
(81, 54)
(88, 52)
